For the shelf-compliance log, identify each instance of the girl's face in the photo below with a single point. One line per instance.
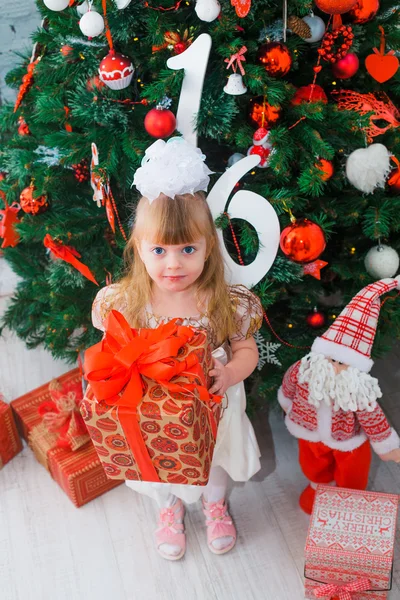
(173, 268)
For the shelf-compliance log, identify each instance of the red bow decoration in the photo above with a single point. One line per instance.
(69, 254)
(114, 368)
(235, 61)
(61, 415)
(344, 591)
(7, 222)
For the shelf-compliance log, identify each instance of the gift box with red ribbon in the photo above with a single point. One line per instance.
(349, 548)
(10, 442)
(50, 421)
(147, 407)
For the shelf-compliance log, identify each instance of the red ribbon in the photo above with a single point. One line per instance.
(69, 254)
(238, 57)
(114, 368)
(344, 591)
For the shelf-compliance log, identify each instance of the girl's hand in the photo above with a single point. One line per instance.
(392, 455)
(222, 378)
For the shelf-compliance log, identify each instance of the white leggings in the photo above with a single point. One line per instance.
(214, 490)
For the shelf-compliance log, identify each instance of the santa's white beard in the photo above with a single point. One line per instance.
(351, 389)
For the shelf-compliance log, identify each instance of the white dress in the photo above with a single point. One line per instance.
(236, 449)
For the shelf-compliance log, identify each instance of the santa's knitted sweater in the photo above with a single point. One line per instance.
(340, 430)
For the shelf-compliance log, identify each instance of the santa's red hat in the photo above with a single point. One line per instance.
(350, 337)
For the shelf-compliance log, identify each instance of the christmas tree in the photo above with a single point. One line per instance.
(312, 94)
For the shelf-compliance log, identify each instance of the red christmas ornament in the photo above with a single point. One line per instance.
(263, 114)
(116, 70)
(306, 93)
(23, 128)
(30, 204)
(8, 219)
(364, 11)
(316, 319)
(260, 136)
(336, 8)
(94, 84)
(160, 122)
(27, 82)
(262, 152)
(81, 171)
(394, 177)
(333, 49)
(326, 168)
(379, 65)
(302, 241)
(275, 58)
(346, 67)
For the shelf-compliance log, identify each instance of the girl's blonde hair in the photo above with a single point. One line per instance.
(181, 220)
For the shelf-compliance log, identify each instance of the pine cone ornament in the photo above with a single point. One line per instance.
(299, 27)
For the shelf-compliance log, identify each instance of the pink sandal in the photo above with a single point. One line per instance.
(219, 524)
(171, 532)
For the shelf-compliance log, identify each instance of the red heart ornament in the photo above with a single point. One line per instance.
(382, 67)
(317, 69)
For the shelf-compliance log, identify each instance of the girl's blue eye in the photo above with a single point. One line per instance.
(189, 250)
(158, 251)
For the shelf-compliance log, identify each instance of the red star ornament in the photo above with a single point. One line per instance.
(314, 268)
(8, 218)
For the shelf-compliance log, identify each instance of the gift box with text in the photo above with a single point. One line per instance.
(349, 548)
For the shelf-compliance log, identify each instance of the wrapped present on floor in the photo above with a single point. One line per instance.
(10, 442)
(50, 421)
(349, 548)
(147, 407)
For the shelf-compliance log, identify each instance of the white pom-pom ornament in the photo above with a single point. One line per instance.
(207, 10)
(56, 5)
(317, 26)
(382, 261)
(91, 24)
(116, 70)
(368, 168)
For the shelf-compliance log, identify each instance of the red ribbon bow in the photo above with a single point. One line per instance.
(238, 57)
(343, 591)
(61, 415)
(114, 368)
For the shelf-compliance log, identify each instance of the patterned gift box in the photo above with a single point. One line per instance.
(349, 548)
(10, 442)
(79, 473)
(162, 431)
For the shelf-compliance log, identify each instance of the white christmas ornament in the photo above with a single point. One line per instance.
(317, 26)
(368, 168)
(235, 85)
(122, 3)
(207, 10)
(234, 158)
(266, 351)
(83, 8)
(172, 168)
(91, 24)
(382, 261)
(56, 5)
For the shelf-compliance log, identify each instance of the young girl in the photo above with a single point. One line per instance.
(175, 269)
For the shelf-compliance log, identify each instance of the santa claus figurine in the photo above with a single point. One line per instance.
(331, 404)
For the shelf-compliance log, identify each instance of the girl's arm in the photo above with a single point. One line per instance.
(244, 361)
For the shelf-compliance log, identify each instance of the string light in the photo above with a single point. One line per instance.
(290, 325)
(253, 173)
(352, 250)
(333, 82)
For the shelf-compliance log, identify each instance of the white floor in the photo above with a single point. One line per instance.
(49, 550)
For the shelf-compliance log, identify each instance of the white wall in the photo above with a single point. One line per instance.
(18, 18)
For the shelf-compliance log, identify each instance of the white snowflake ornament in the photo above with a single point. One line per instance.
(267, 351)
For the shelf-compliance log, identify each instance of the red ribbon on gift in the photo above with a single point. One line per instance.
(61, 415)
(238, 57)
(114, 368)
(343, 591)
